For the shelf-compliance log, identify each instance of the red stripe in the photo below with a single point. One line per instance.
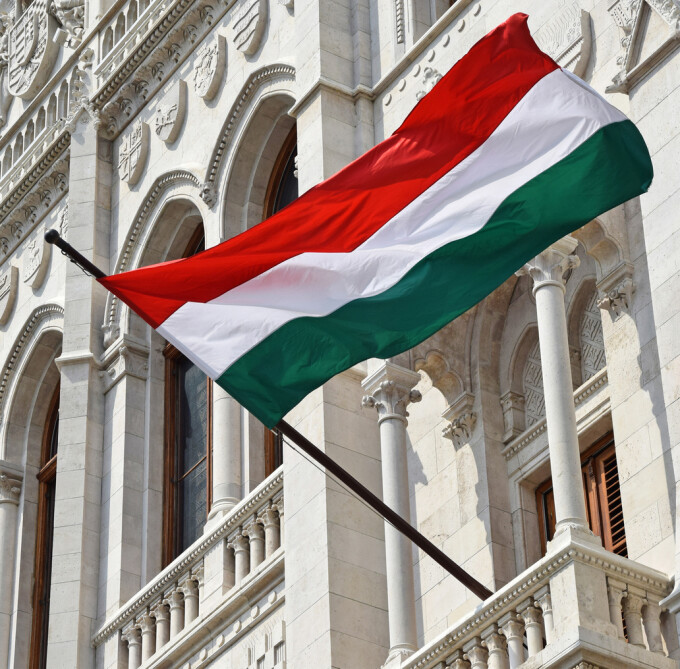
(339, 214)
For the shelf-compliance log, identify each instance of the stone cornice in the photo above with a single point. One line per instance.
(193, 554)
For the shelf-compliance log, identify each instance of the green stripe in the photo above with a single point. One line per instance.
(609, 168)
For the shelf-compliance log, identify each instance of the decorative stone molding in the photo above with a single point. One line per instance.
(5, 96)
(10, 488)
(616, 291)
(133, 152)
(399, 21)
(257, 80)
(567, 37)
(9, 284)
(250, 20)
(429, 80)
(170, 112)
(211, 63)
(71, 16)
(62, 221)
(45, 316)
(390, 390)
(128, 358)
(461, 420)
(288, 4)
(32, 50)
(36, 261)
(550, 266)
(512, 405)
(629, 16)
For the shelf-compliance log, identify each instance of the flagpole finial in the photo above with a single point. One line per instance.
(53, 237)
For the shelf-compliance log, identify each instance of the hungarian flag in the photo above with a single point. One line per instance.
(505, 155)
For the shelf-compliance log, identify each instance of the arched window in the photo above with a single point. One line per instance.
(281, 191)
(47, 481)
(188, 421)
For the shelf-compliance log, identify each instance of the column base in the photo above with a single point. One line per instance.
(218, 511)
(397, 655)
(569, 531)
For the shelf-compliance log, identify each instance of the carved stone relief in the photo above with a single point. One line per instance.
(534, 401)
(170, 112)
(209, 69)
(430, 78)
(36, 261)
(63, 221)
(5, 96)
(9, 284)
(461, 420)
(512, 405)
(134, 149)
(71, 16)
(250, 20)
(567, 38)
(616, 291)
(592, 343)
(32, 50)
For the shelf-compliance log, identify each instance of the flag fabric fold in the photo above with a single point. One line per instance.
(505, 155)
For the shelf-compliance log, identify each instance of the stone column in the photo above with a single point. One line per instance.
(10, 490)
(547, 270)
(390, 389)
(226, 453)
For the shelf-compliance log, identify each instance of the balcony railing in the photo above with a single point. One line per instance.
(191, 587)
(579, 604)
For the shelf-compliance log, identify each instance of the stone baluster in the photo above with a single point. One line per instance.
(241, 547)
(476, 654)
(162, 615)
(651, 619)
(175, 600)
(134, 641)
(278, 505)
(269, 518)
(189, 589)
(544, 600)
(615, 591)
(632, 614)
(547, 271)
(512, 627)
(147, 626)
(532, 617)
(255, 534)
(496, 645)
(390, 389)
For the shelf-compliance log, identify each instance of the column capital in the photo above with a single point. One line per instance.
(549, 266)
(390, 389)
(10, 488)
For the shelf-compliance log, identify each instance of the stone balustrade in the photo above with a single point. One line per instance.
(535, 622)
(198, 581)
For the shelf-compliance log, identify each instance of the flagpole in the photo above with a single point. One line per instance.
(53, 237)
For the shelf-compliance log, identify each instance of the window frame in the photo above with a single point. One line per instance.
(280, 164)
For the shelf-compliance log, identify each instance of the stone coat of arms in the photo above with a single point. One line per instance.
(209, 69)
(36, 261)
(31, 50)
(250, 20)
(134, 149)
(170, 112)
(8, 292)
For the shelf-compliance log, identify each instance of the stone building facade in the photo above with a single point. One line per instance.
(146, 519)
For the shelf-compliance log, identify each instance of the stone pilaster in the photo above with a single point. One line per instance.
(547, 271)
(10, 492)
(75, 560)
(390, 389)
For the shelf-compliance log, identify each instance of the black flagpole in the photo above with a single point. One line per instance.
(53, 237)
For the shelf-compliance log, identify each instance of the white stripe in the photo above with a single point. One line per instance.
(554, 118)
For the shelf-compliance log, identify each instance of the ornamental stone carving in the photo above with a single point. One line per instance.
(36, 262)
(32, 50)
(209, 69)
(461, 420)
(71, 15)
(616, 291)
(133, 152)
(10, 489)
(170, 112)
(390, 391)
(512, 404)
(5, 96)
(9, 283)
(551, 265)
(567, 38)
(430, 79)
(250, 19)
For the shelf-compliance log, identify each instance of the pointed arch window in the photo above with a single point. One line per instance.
(47, 483)
(188, 444)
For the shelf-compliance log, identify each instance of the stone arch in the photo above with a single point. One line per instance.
(437, 368)
(29, 360)
(179, 189)
(269, 90)
(605, 239)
